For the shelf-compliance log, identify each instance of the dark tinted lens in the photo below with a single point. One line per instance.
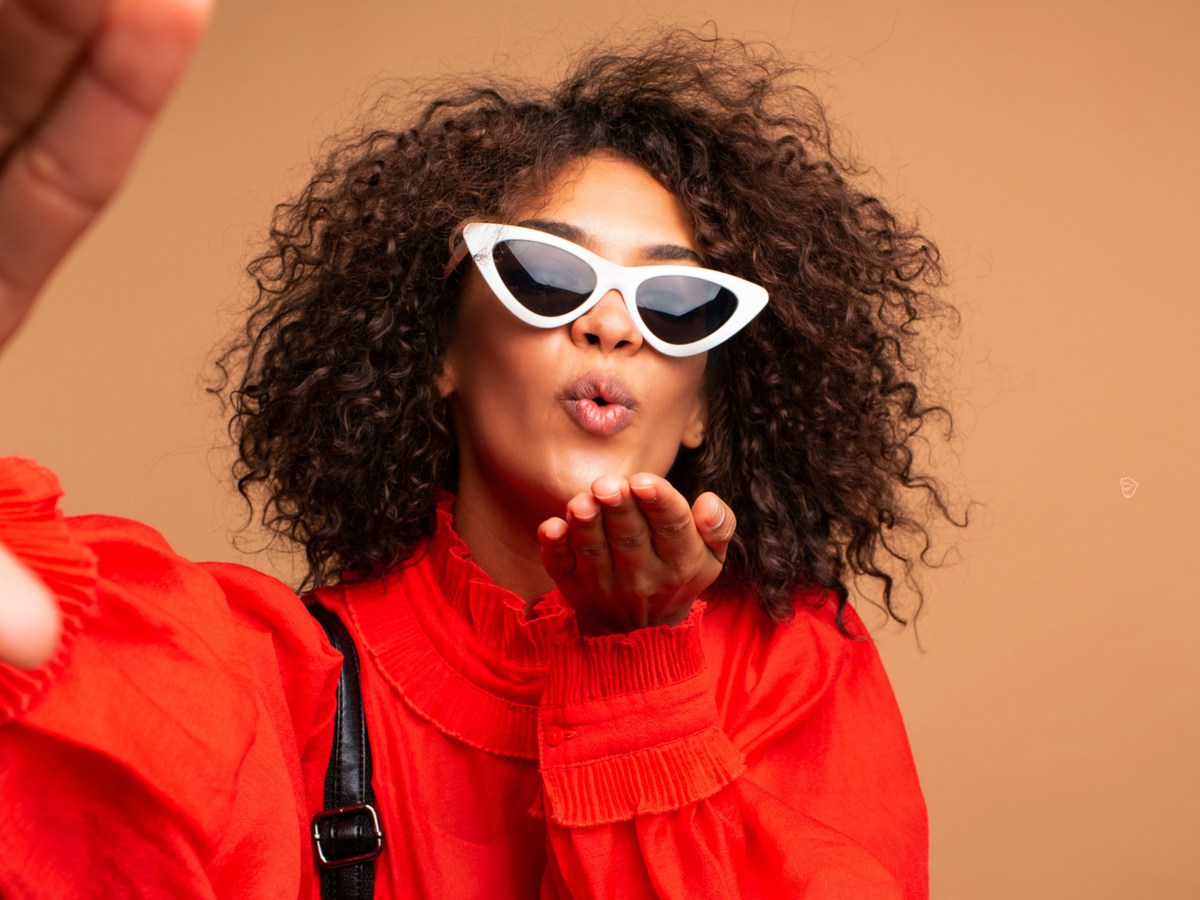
(681, 309)
(544, 279)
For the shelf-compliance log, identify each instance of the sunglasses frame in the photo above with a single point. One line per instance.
(481, 238)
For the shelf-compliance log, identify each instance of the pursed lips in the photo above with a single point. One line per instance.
(600, 403)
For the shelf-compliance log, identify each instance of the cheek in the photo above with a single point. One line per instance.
(484, 345)
(690, 388)
(679, 408)
(494, 360)
(500, 376)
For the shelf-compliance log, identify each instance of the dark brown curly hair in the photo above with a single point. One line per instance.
(343, 436)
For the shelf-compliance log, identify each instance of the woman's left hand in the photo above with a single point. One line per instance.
(632, 553)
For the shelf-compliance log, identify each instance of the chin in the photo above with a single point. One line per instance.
(586, 468)
(577, 474)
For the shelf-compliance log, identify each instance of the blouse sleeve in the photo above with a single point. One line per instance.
(780, 769)
(170, 738)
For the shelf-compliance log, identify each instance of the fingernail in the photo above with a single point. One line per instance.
(608, 489)
(645, 490)
(555, 532)
(717, 517)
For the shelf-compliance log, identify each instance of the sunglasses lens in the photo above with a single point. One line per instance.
(545, 280)
(680, 309)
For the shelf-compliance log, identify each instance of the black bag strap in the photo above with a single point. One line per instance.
(346, 834)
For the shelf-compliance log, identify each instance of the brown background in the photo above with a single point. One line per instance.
(1050, 148)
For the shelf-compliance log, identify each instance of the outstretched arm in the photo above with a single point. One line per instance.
(685, 754)
(81, 81)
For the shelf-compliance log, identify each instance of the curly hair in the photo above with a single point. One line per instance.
(342, 434)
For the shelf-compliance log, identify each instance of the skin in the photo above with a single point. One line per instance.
(544, 503)
(81, 81)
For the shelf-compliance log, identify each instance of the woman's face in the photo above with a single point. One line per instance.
(540, 413)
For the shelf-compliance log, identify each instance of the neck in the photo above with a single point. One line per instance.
(503, 539)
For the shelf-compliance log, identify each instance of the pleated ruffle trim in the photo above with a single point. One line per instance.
(657, 779)
(459, 649)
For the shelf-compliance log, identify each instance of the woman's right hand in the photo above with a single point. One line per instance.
(81, 81)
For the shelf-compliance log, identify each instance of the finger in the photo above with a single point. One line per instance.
(557, 556)
(40, 41)
(716, 523)
(625, 527)
(587, 537)
(59, 175)
(668, 515)
(30, 622)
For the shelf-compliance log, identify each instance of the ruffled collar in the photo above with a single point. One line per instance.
(458, 649)
(495, 615)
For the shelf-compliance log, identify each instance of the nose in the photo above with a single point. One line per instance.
(608, 326)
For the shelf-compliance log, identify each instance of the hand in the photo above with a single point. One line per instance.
(631, 554)
(80, 83)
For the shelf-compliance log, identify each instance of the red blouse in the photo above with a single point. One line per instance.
(176, 745)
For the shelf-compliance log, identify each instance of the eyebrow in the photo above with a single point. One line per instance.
(656, 252)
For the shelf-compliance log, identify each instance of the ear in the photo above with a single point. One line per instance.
(693, 430)
(446, 381)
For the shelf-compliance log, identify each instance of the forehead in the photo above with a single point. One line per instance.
(613, 200)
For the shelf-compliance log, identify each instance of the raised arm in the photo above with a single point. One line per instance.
(80, 83)
(694, 754)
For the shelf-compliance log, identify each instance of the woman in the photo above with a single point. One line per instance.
(587, 522)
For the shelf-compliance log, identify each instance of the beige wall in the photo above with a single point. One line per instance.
(1049, 147)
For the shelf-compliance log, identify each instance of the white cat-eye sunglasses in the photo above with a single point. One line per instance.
(546, 281)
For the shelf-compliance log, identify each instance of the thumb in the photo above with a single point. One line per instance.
(716, 523)
(30, 622)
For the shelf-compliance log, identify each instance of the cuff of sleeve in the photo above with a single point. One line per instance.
(33, 528)
(587, 668)
(628, 726)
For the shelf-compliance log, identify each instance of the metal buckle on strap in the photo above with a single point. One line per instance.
(345, 825)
